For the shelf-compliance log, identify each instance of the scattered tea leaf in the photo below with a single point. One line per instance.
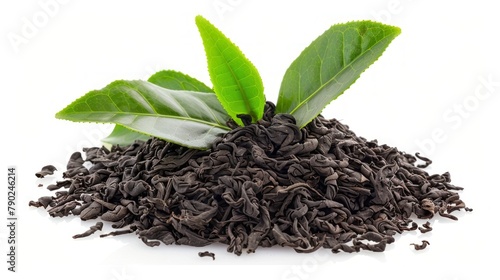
(92, 230)
(207, 254)
(425, 227)
(422, 246)
(43, 201)
(46, 170)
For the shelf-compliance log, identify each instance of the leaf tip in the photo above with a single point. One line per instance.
(199, 19)
(61, 115)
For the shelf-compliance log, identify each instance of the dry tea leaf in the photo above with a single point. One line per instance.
(46, 170)
(92, 230)
(207, 254)
(422, 246)
(261, 185)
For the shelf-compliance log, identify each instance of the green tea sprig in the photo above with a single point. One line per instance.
(183, 110)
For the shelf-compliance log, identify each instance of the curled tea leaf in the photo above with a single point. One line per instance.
(46, 170)
(92, 230)
(207, 254)
(422, 246)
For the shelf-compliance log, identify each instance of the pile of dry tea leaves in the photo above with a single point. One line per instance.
(263, 184)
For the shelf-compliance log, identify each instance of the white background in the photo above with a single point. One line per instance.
(436, 90)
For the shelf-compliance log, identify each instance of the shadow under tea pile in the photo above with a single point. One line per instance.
(264, 184)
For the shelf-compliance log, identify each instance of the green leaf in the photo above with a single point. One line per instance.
(188, 118)
(236, 81)
(330, 65)
(178, 81)
(167, 79)
(123, 136)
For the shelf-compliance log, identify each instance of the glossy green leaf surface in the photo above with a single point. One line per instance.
(167, 79)
(188, 118)
(178, 81)
(236, 81)
(330, 65)
(123, 136)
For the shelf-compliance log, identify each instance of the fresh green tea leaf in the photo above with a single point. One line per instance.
(178, 81)
(330, 65)
(236, 81)
(167, 79)
(123, 136)
(188, 118)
